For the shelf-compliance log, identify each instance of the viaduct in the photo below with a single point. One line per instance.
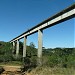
(62, 16)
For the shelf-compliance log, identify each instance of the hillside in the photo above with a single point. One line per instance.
(55, 61)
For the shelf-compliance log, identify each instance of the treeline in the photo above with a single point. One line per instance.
(59, 57)
(5, 51)
(8, 54)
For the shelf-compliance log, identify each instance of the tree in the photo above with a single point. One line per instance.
(31, 50)
(5, 51)
(21, 47)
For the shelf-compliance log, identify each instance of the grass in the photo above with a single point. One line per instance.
(12, 63)
(43, 70)
(52, 71)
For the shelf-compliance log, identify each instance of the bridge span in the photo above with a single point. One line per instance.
(60, 17)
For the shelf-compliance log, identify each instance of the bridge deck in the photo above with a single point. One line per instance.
(64, 15)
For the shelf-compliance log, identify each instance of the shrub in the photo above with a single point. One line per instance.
(1, 69)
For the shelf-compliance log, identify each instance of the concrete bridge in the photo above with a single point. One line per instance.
(62, 16)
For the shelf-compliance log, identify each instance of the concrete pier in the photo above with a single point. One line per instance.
(13, 47)
(17, 49)
(24, 48)
(40, 44)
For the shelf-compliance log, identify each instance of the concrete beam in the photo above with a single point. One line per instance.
(40, 45)
(17, 49)
(24, 47)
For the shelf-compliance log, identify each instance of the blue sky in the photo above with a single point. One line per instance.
(17, 16)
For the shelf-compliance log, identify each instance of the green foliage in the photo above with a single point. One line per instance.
(62, 57)
(34, 61)
(31, 50)
(21, 47)
(19, 58)
(5, 52)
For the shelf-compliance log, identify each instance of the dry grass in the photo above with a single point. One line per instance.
(52, 71)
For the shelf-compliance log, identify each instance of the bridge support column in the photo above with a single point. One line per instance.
(17, 49)
(40, 44)
(24, 48)
(13, 47)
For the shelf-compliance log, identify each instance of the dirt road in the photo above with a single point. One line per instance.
(11, 70)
